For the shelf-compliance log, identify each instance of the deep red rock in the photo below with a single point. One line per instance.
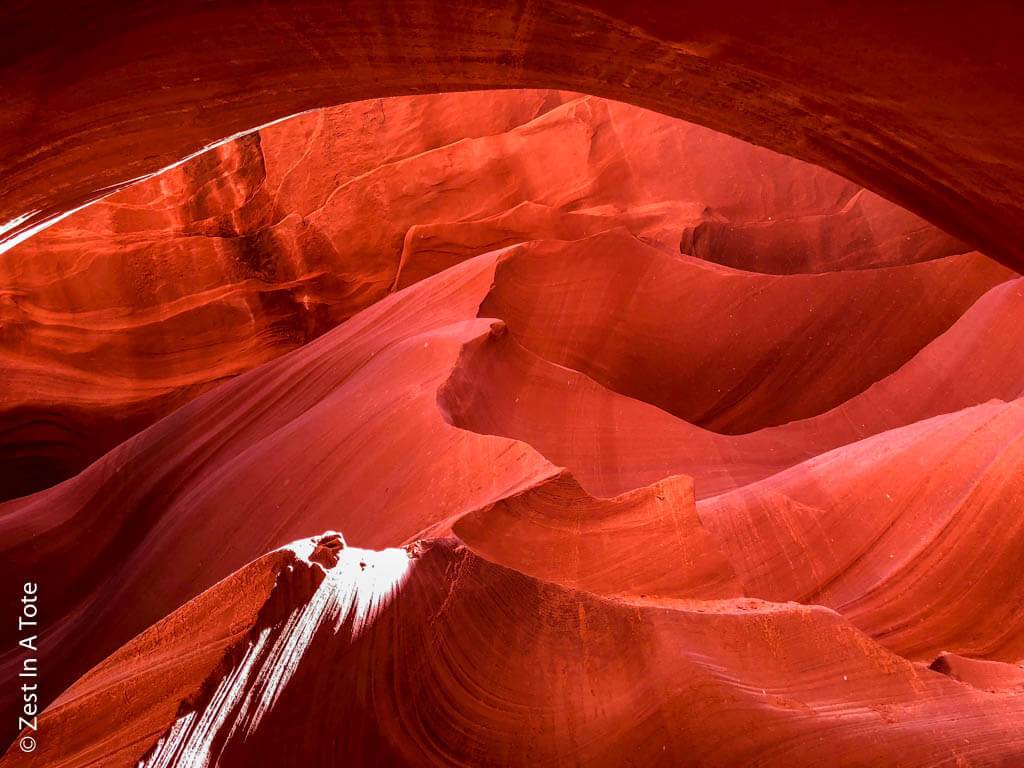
(515, 428)
(924, 108)
(123, 312)
(579, 678)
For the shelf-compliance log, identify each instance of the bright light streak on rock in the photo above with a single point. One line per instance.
(190, 743)
(361, 584)
(168, 747)
(9, 242)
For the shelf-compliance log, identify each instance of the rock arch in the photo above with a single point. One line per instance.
(922, 107)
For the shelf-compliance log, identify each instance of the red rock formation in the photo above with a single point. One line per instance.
(619, 441)
(123, 312)
(320, 438)
(921, 107)
(894, 540)
(557, 532)
(578, 678)
(866, 232)
(991, 676)
(730, 351)
(130, 308)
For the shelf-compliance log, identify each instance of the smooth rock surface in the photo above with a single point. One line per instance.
(514, 428)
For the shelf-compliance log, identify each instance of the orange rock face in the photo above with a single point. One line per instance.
(511, 428)
(120, 314)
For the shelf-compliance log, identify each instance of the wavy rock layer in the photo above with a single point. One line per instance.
(729, 351)
(620, 442)
(125, 311)
(579, 679)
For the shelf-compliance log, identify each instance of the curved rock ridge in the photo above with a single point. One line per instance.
(134, 695)
(865, 233)
(912, 534)
(648, 542)
(388, 649)
(992, 676)
(319, 438)
(728, 350)
(126, 310)
(322, 437)
(873, 93)
(627, 443)
(130, 308)
(613, 443)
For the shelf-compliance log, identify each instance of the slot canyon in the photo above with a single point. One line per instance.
(493, 383)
